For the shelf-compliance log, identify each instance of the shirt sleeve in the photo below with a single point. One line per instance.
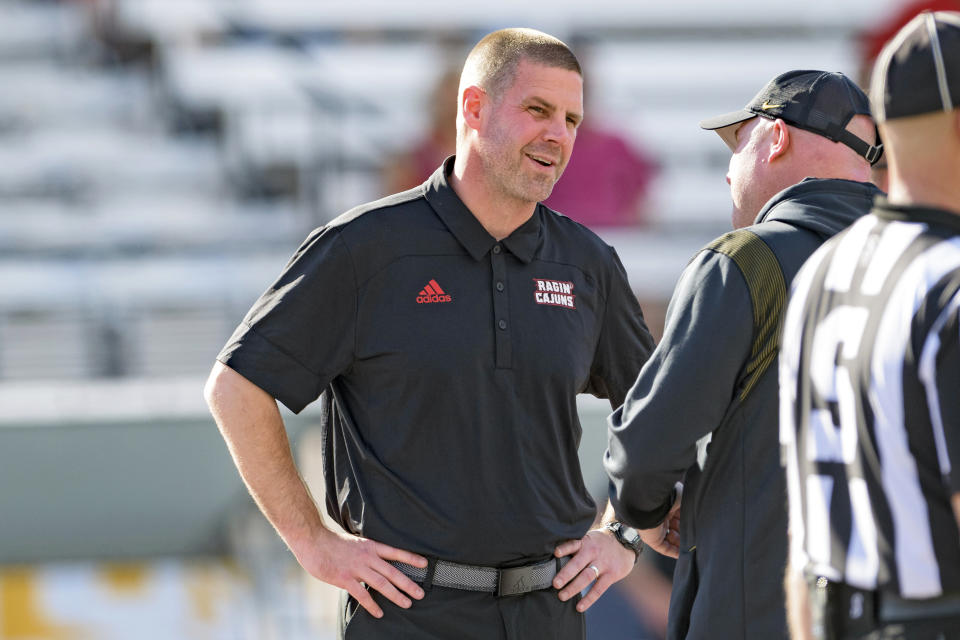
(300, 333)
(624, 344)
(682, 392)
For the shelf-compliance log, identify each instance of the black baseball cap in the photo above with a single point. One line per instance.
(817, 101)
(918, 71)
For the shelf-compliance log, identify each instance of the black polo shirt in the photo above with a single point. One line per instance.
(448, 366)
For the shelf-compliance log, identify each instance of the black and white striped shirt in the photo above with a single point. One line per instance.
(870, 404)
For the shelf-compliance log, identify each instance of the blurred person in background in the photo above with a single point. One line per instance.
(447, 331)
(870, 417)
(704, 409)
(410, 168)
(606, 182)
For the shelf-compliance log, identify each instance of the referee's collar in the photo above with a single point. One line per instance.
(467, 229)
(887, 210)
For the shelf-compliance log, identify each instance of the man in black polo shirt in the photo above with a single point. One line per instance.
(447, 331)
(870, 374)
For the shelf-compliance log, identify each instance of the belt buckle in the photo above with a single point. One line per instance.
(514, 581)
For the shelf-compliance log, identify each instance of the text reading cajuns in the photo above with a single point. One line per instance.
(554, 293)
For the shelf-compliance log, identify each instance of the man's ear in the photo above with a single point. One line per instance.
(471, 105)
(779, 140)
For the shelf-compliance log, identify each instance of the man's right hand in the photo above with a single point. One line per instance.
(346, 561)
(251, 425)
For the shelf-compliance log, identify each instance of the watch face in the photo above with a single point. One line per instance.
(630, 535)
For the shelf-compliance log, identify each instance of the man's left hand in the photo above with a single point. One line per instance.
(598, 558)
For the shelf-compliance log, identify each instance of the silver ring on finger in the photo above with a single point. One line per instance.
(596, 572)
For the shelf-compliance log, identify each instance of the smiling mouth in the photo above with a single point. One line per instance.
(543, 162)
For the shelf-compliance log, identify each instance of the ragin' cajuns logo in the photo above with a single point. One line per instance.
(554, 293)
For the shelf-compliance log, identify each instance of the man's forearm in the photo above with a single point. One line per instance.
(251, 424)
(253, 429)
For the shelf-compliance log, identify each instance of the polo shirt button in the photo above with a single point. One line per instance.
(499, 286)
(502, 324)
(496, 248)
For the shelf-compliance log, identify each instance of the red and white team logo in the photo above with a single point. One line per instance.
(433, 292)
(555, 293)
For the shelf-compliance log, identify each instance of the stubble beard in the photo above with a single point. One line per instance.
(509, 177)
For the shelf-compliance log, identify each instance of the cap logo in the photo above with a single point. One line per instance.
(766, 105)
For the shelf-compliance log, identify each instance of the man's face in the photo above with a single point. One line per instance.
(746, 176)
(529, 133)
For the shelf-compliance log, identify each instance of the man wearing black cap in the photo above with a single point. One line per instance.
(870, 374)
(704, 408)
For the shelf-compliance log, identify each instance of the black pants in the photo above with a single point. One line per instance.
(451, 614)
(914, 630)
(832, 605)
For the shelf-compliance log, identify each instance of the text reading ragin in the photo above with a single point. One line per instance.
(554, 293)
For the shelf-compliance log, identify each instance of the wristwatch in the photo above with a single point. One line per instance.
(627, 536)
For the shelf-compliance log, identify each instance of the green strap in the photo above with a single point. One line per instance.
(768, 294)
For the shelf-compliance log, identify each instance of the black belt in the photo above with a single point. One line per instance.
(841, 609)
(507, 581)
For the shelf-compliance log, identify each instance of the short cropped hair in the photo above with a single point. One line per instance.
(493, 62)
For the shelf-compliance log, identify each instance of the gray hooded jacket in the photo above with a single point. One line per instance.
(686, 419)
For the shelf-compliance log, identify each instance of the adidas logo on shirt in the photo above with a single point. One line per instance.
(433, 292)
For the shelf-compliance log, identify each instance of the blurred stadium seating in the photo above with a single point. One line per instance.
(161, 159)
(143, 140)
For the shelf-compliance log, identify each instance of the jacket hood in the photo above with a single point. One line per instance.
(823, 206)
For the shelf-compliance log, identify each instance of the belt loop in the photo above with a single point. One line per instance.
(428, 579)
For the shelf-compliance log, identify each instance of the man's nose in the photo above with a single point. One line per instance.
(558, 130)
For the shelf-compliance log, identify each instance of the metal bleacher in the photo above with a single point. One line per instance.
(161, 159)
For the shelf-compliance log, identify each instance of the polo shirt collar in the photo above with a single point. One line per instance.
(522, 243)
(525, 239)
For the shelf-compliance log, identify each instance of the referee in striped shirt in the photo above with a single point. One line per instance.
(870, 376)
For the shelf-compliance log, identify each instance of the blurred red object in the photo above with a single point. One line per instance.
(606, 181)
(872, 41)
